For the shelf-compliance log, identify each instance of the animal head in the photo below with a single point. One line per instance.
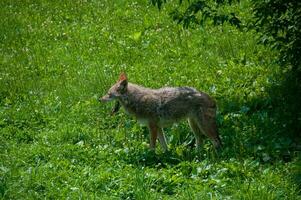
(117, 89)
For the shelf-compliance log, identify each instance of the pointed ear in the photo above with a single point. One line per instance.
(122, 77)
(123, 82)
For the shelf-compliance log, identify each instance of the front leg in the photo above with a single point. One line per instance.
(153, 128)
(162, 139)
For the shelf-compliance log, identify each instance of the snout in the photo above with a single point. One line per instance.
(104, 99)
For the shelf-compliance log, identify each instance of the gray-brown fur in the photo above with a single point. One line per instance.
(162, 107)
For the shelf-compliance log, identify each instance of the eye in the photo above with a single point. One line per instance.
(111, 95)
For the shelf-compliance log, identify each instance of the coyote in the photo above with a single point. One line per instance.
(158, 108)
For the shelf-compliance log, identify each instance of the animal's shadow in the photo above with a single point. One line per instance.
(172, 157)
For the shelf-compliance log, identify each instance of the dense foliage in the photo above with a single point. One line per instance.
(279, 21)
(279, 25)
(200, 12)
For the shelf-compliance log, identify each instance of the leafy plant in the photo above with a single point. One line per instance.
(199, 12)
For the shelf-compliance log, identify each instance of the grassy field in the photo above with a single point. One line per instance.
(58, 142)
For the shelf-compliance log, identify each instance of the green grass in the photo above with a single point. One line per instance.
(59, 142)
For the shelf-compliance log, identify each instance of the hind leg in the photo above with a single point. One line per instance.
(199, 137)
(206, 122)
